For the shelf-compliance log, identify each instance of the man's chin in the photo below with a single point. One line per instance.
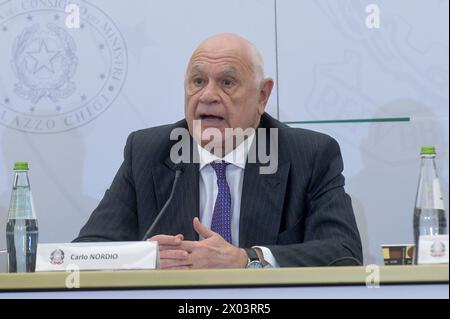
(210, 129)
(212, 136)
(214, 124)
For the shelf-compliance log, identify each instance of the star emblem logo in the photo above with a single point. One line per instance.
(43, 58)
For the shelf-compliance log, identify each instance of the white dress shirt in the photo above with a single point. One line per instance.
(235, 177)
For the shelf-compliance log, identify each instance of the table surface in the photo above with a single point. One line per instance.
(229, 278)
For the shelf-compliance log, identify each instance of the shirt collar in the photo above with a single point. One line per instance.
(237, 157)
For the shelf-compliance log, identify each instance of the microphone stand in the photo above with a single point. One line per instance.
(178, 173)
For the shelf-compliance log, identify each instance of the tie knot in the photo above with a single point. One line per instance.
(220, 168)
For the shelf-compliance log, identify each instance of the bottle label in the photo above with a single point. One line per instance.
(22, 206)
(437, 194)
(433, 249)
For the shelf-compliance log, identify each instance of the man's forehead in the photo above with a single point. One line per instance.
(225, 61)
(239, 53)
(201, 67)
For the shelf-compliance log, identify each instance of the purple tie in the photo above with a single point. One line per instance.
(221, 220)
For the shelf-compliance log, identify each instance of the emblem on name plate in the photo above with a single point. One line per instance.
(57, 257)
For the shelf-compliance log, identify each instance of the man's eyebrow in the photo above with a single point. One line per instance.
(197, 68)
(229, 69)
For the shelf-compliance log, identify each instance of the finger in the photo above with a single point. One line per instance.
(167, 239)
(173, 254)
(171, 263)
(188, 245)
(202, 230)
(169, 247)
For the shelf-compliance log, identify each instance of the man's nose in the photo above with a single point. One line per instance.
(210, 94)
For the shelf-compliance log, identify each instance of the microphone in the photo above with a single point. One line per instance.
(178, 172)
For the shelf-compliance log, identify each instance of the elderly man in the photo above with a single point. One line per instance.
(224, 213)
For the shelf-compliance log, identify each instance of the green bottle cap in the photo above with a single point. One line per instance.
(428, 150)
(21, 166)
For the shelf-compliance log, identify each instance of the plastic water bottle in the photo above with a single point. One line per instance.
(21, 228)
(429, 212)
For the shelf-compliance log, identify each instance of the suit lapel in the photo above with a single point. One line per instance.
(263, 195)
(262, 205)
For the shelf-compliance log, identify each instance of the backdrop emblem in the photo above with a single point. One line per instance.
(44, 71)
(56, 78)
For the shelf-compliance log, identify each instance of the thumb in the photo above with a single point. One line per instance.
(203, 231)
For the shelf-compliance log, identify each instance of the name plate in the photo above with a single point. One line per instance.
(98, 256)
(433, 249)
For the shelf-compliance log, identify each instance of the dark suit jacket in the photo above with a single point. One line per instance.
(301, 212)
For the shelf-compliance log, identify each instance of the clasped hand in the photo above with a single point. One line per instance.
(211, 252)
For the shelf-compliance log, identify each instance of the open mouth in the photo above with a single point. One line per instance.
(208, 117)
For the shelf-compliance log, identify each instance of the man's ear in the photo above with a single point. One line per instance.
(264, 93)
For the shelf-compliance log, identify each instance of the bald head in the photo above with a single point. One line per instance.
(233, 44)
